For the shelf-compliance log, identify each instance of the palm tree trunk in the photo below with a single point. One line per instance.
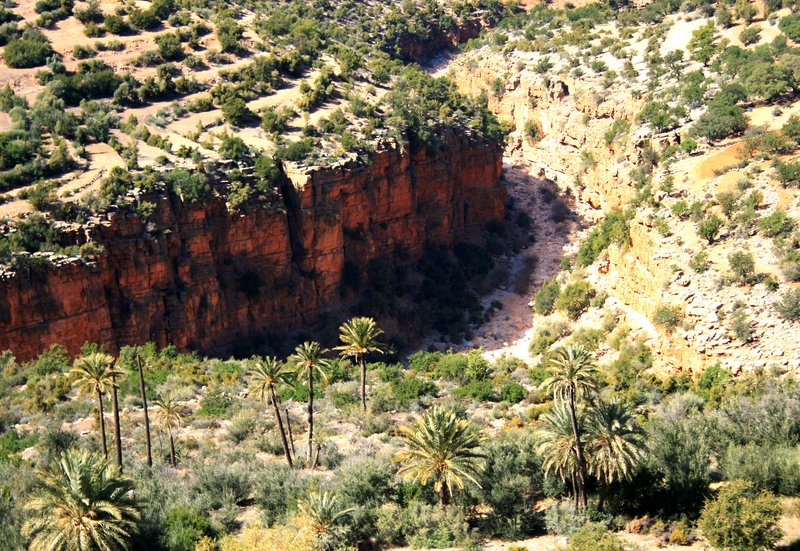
(146, 415)
(172, 459)
(317, 449)
(443, 497)
(579, 452)
(102, 424)
(363, 383)
(574, 491)
(289, 429)
(282, 432)
(310, 414)
(117, 432)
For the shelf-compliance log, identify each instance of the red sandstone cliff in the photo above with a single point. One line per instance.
(204, 278)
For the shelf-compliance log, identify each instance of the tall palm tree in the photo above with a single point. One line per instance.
(115, 410)
(169, 415)
(616, 444)
(556, 445)
(93, 376)
(360, 337)
(572, 376)
(81, 505)
(266, 374)
(441, 449)
(324, 512)
(143, 390)
(307, 360)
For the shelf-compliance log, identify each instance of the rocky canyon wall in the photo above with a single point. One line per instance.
(572, 118)
(202, 277)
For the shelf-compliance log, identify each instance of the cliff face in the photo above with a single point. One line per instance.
(572, 119)
(202, 277)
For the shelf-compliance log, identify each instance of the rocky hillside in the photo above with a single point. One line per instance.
(583, 117)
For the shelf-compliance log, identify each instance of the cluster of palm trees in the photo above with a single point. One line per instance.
(96, 373)
(581, 436)
(359, 337)
(595, 437)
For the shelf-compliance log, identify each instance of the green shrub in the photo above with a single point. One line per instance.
(740, 326)
(667, 317)
(545, 298)
(787, 173)
(215, 403)
(709, 228)
(699, 262)
(22, 54)
(143, 19)
(740, 517)
(184, 527)
(791, 129)
(743, 265)
(750, 35)
(115, 25)
(478, 389)
(169, 46)
(790, 26)
(575, 298)
(411, 388)
(788, 307)
(513, 393)
(772, 468)
(777, 223)
(594, 537)
(720, 121)
(613, 229)
(192, 187)
(277, 491)
(561, 518)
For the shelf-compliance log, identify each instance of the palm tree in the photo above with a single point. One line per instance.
(115, 409)
(169, 415)
(307, 360)
(616, 444)
(442, 449)
(556, 445)
(83, 504)
(140, 368)
(266, 374)
(572, 375)
(324, 512)
(360, 337)
(93, 376)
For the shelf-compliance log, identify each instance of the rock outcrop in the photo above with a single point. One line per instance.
(202, 277)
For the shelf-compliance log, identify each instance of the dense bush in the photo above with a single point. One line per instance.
(742, 265)
(24, 53)
(667, 316)
(575, 298)
(545, 298)
(740, 517)
(613, 229)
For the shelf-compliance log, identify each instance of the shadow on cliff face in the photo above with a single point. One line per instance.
(473, 295)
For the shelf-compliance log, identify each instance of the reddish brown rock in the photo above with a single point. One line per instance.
(205, 278)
